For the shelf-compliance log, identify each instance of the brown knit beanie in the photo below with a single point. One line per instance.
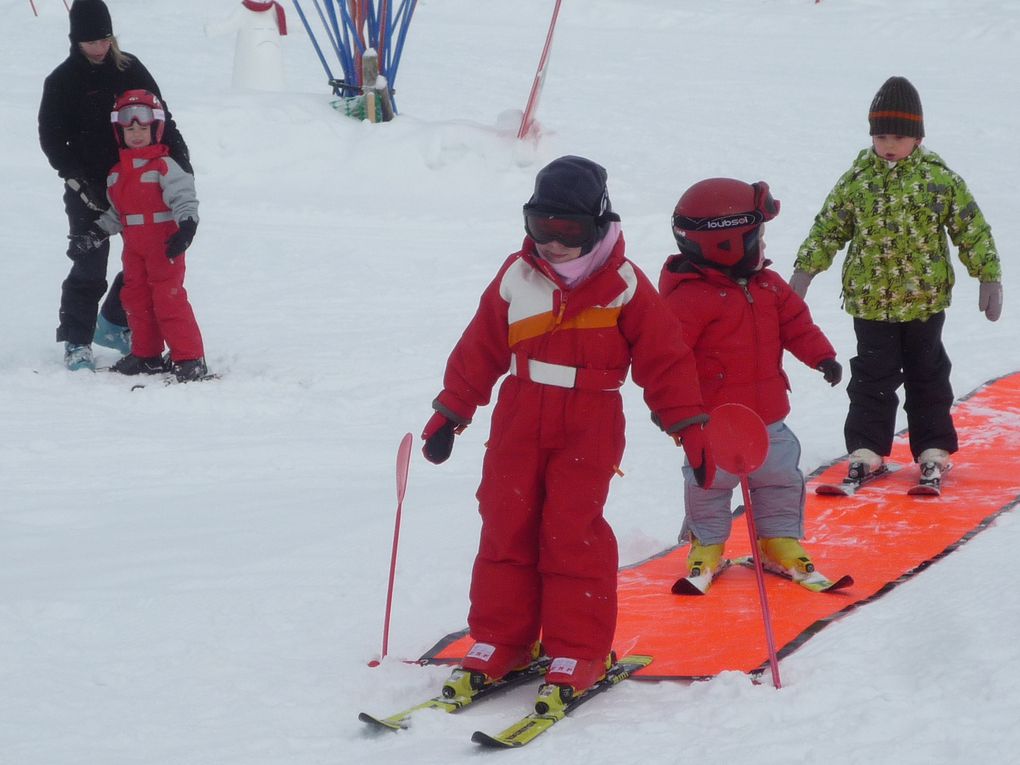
(896, 110)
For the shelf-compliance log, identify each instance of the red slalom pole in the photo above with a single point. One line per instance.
(536, 86)
(403, 464)
(740, 443)
(759, 574)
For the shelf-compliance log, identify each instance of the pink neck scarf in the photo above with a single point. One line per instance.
(575, 271)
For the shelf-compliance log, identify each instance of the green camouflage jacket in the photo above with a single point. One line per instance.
(897, 267)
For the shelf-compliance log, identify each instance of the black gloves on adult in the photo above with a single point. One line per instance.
(90, 196)
(84, 243)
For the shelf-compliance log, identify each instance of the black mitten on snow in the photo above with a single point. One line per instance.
(180, 240)
(831, 370)
(82, 244)
(91, 197)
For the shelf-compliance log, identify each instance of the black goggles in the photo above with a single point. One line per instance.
(568, 230)
(766, 207)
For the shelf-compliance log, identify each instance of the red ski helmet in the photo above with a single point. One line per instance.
(139, 106)
(717, 220)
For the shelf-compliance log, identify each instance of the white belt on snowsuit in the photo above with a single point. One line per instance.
(563, 376)
(138, 219)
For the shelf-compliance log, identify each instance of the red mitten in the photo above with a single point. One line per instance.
(699, 455)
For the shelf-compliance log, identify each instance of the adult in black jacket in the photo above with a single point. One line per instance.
(76, 135)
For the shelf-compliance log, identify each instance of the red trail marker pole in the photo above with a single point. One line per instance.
(536, 86)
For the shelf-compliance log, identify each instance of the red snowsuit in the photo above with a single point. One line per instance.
(149, 192)
(547, 559)
(739, 331)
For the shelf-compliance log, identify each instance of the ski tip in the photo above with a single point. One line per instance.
(834, 490)
(484, 739)
(379, 724)
(842, 583)
(685, 586)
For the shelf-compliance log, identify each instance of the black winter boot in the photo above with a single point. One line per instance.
(137, 365)
(190, 370)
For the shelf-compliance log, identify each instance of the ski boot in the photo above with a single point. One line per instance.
(863, 463)
(190, 370)
(485, 664)
(110, 335)
(786, 555)
(78, 356)
(139, 365)
(566, 680)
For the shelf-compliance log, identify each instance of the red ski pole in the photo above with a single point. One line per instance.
(403, 463)
(740, 443)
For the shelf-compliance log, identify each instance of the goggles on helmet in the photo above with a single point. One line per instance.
(568, 230)
(143, 114)
(766, 207)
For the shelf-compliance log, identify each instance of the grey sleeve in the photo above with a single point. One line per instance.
(179, 191)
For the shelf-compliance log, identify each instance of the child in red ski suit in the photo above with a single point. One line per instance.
(153, 204)
(739, 316)
(566, 316)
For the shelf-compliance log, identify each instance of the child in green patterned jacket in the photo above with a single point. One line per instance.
(895, 206)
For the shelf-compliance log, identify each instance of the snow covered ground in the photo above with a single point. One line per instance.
(197, 574)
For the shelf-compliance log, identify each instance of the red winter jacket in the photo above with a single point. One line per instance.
(602, 326)
(738, 331)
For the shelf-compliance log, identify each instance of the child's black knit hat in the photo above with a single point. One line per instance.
(90, 20)
(896, 110)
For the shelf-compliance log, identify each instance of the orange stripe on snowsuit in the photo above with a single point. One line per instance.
(543, 323)
(895, 115)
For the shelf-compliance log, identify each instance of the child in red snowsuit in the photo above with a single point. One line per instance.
(566, 316)
(153, 204)
(739, 317)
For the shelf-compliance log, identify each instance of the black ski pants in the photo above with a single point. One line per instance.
(86, 283)
(889, 355)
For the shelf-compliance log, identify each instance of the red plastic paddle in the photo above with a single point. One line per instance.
(740, 443)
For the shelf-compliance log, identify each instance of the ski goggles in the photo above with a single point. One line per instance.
(143, 114)
(568, 230)
(766, 207)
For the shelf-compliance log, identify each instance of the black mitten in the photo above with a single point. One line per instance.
(180, 240)
(831, 370)
(438, 436)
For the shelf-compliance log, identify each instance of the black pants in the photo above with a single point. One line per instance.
(888, 355)
(86, 283)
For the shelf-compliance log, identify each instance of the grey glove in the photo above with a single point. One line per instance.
(799, 283)
(990, 300)
(82, 244)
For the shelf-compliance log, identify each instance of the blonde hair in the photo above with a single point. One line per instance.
(120, 59)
